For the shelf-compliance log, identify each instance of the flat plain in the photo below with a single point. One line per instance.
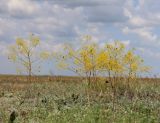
(61, 99)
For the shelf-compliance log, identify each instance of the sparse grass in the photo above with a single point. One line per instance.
(67, 102)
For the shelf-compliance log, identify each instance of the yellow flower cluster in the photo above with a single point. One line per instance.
(20, 42)
(35, 41)
(114, 57)
(44, 55)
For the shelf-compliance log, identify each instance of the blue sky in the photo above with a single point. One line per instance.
(134, 22)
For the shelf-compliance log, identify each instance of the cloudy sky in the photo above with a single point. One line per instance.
(134, 22)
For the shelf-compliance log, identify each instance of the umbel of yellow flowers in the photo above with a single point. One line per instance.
(23, 52)
(91, 60)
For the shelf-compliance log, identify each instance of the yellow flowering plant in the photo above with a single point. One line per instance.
(82, 60)
(90, 60)
(23, 53)
(134, 64)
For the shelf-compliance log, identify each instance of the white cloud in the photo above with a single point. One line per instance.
(143, 20)
(150, 53)
(144, 33)
(51, 46)
(138, 21)
(126, 43)
(25, 6)
(3, 48)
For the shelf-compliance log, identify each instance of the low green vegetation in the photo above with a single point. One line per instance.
(74, 102)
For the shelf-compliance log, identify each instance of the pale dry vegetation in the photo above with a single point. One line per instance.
(66, 102)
